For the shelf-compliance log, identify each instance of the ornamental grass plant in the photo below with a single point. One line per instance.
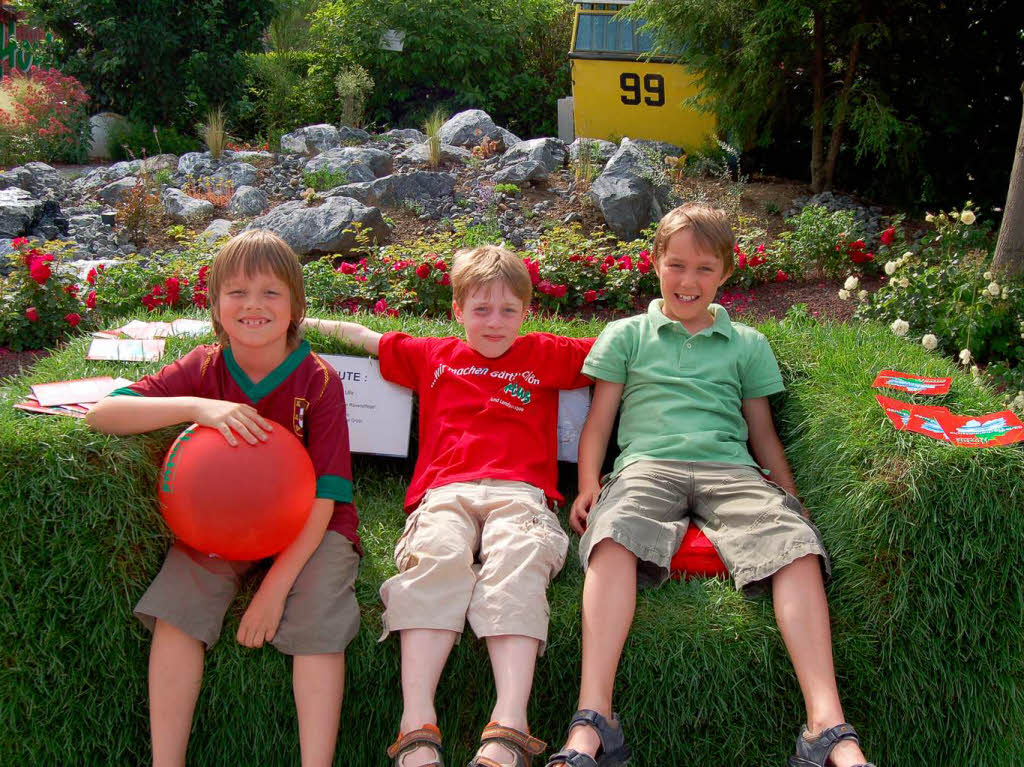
(927, 597)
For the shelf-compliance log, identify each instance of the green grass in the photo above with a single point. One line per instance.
(927, 598)
(324, 179)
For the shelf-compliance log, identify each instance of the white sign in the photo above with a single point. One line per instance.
(392, 40)
(573, 405)
(379, 412)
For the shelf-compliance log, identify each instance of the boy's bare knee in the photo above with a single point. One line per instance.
(612, 552)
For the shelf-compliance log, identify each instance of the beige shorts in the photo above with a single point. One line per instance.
(483, 551)
(193, 591)
(754, 524)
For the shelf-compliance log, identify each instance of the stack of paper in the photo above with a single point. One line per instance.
(141, 330)
(125, 350)
(71, 398)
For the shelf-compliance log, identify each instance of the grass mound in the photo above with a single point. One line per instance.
(927, 598)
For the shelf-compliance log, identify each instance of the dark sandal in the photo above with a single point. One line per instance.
(522, 745)
(815, 753)
(614, 751)
(427, 735)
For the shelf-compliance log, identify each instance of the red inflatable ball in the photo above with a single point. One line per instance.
(696, 557)
(245, 502)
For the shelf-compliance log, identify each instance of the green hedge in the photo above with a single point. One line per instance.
(927, 599)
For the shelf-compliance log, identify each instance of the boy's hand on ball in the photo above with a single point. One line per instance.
(581, 508)
(233, 417)
(261, 619)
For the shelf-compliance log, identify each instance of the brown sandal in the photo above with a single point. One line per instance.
(522, 745)
(427, 735)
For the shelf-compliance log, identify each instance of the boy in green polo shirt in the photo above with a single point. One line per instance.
(693, 388)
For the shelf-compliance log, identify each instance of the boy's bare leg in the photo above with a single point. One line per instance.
(318, 682)
(424, 653)
(801, 611)
(175, 675)
(609, 600)
(513, 658)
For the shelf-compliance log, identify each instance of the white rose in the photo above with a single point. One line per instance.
(967, 217)
(862, 294)
(988, 276)
(1006, 293)
(906, 255)
(900, 327)
(851, 283)
(1018, 402)
(844, 294)
(929, 218)
(903, 282)
(993, 289)
(890, 267)
(929, 342)
(965, 356)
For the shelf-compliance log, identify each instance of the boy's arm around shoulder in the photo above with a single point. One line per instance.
(766, 445)
(349, 332)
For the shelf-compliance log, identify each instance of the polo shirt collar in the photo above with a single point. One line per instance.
(722, 324)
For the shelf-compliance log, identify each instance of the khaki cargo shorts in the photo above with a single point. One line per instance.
(321, 615)
(483, 551)
(754, 524)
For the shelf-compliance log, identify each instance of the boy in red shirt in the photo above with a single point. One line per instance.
(480, 542)
(260, 377)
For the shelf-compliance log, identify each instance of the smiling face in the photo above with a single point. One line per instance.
(690, 276)
(492, 315)
(254, 311)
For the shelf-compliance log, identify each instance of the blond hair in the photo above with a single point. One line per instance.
(251, 253)
(710, 228)
(475, 267)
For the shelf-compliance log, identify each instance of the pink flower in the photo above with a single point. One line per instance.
(625, 263)
(558, 291)
(199, 299)
(590, 296)
(71, 290)
(781, 276)
(73, 319)
(888, 235)
(440, 265)
(39, 271)
(19, 242)
(760, 248)
(31, 314)
(347, 268)
(91, 276)
(90, 300)
(544, 286)
(381, 307)
(645, 255)
(445, 279)
(741, 260)
(423, 271)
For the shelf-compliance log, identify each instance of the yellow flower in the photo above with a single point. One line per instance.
(967, 217)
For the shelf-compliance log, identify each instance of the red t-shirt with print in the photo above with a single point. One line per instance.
(484, 418)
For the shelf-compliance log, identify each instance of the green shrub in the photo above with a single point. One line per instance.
(830, 242)
(135, 140)
(927, 598)
(43, 116)
(276, 96)
(353, 85)
(324, 179)
(512, 189)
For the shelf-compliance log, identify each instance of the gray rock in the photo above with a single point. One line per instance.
(348, 135)
(624, 192)
(19, 211)
(249, 156)
(549, 152)
(310, 140)
(181, 207)
(111, 194)
(196, 164)
(160, 162)
(327, 228)
(247, 201)
(393, 190)
(468, 128)
(420, 153)
(218, 229)
(573, 218)
(82, 266)
(601, 150)
(238, 173)
(357, 163)
(527, 170)
(405, 136)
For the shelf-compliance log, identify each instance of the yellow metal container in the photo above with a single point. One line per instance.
(620, 90)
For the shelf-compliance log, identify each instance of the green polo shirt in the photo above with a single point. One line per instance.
(682, 393)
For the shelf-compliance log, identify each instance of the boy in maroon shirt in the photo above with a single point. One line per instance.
(480, 541)
(260, 377)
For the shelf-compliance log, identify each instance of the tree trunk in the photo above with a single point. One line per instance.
(818, 130)
(843, 106)
(1009, 258)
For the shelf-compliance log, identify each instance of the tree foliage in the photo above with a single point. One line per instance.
(901, 80)
(159, 61)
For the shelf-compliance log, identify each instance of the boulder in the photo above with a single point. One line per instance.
(248, 155)
(218, 229)
(196, 164)
(37, 178)
(160, 162)
(527, 170)
(601, 150)
(549, 152)
(468, 128)
(19, 211)
(357, 163)
(238, 173)
(405, 136)
(181, 207)
(327, 228)
(350, 135)
(393, 190)
(419, 153)
(310, 140)
(102, 128)
(624, 193)
(247, 201)
(112, 193)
